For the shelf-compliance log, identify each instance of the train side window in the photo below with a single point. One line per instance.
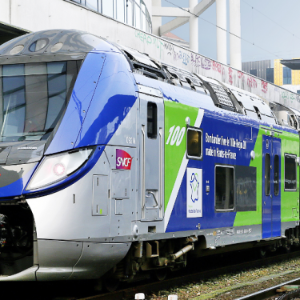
(151, 120)
(276, 175)
(224, 188)
(194, 143)
(290, 172)
(267, 174)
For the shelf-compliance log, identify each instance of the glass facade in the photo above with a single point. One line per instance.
(253, 72)
(131, 12)
(270, 74)
(287, 75)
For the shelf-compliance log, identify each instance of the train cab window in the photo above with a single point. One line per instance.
(151, 120)
(267, 174)
(33, 97)
(276, 175)
(194, 143)
(290, 172)
(224, 188)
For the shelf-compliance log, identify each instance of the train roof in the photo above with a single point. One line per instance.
(49, 45)
(58, 43)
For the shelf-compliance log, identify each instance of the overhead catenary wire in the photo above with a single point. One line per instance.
(213, 24)
(273, 21)
(253, 8)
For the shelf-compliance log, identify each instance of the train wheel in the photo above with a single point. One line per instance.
(161, 274)
(287, 248)
(111, 284)
(262, 252)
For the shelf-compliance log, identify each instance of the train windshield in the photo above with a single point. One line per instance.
(32, 98)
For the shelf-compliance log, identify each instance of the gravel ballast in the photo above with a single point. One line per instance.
(234, 285)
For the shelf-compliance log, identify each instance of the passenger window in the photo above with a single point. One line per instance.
(276, 175)
(151, 120)
(290, 172)
(224, 192)
(194, 143)
(267, 174)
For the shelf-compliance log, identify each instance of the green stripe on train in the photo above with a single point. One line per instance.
(175, 140)
(289, 200)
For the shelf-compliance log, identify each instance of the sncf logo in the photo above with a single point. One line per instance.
(123, 160)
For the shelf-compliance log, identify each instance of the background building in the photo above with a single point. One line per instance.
(262, 69)
(132, 12)
(289, 74)
(171, 37)
(281, 74)
(104, 18)
(284, 75)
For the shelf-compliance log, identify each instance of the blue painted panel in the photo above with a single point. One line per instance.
(276, 200)
(266, 198)
(81, 97)
(218, 126)
(271, 206)
(16, 188)
(105, 46)
(114, 96)
(105, 108)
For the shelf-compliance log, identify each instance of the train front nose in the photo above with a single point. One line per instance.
(17, 232)
(33, 97)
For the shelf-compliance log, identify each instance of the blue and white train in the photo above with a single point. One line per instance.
(112, 163)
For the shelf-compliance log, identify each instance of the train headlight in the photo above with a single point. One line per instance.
(57, 167)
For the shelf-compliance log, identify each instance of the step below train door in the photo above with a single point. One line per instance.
(151, 154)
(271, 197)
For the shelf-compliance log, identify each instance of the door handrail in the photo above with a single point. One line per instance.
(143, 172)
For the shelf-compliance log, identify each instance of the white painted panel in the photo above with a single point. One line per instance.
(4, 11)
(194, 193)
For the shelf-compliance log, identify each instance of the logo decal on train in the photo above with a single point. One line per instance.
(123, 160)
(194, 184)
(194, 193)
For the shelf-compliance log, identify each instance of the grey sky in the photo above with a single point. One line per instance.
(273, 26)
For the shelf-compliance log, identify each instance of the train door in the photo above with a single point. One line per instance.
(271, 192)
(151, 157)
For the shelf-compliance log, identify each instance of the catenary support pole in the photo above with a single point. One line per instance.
(221, 31)
(235, 30)
(193, 27)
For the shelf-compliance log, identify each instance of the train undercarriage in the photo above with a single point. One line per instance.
(162, 256)
(18, 250)
(17, 237)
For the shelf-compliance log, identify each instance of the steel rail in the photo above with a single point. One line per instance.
(269, 292)
(129, 293)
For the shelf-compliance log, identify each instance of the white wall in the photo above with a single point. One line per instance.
(293, 88)
(5, 11)
(38, 15)
(148, 4)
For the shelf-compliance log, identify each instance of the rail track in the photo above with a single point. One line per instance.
(272, 291)
(193, 276)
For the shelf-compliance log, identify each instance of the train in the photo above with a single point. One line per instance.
(113, 164)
